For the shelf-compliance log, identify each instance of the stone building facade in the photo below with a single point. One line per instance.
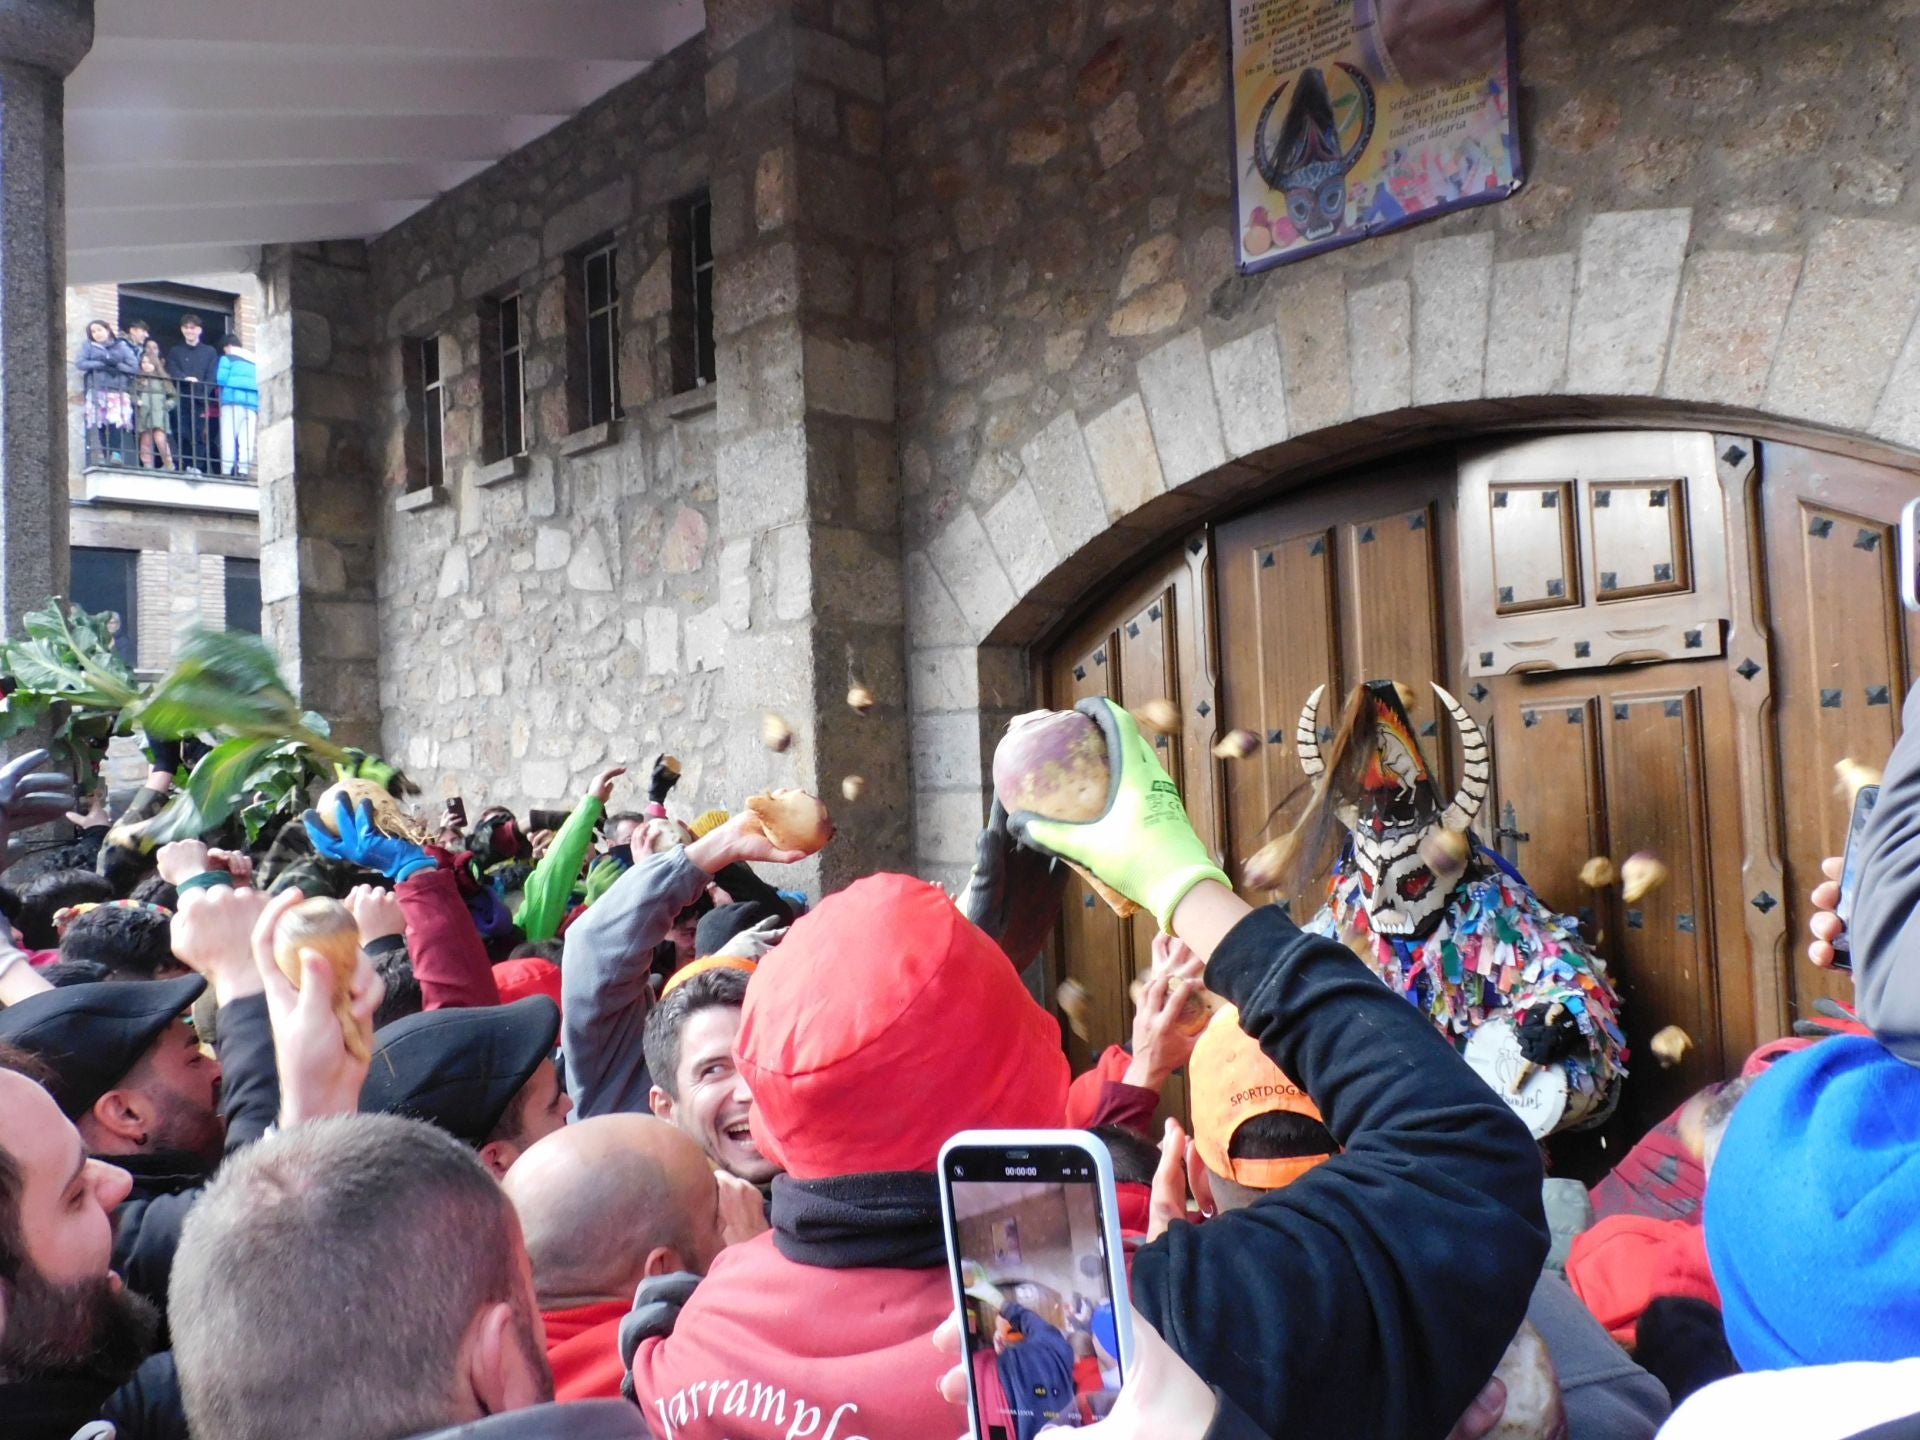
(981, 349)
(182, 531)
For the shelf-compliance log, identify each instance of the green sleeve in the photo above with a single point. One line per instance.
(550, 887)
(601, 877)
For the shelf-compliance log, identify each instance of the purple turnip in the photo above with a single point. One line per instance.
(1053, 763)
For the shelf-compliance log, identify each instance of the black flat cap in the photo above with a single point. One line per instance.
(91, 1035)
(460, 1069)
(723, 922)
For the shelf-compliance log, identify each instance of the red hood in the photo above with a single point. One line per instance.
(1626, 1262)
(529, 975)
(583, 1346)
(768, 1349)
(882, 1025)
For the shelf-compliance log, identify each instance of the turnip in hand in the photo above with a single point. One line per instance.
(328, 928)
(793, 820)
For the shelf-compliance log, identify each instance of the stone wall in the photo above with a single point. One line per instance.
(1720, 222)
(540, 622)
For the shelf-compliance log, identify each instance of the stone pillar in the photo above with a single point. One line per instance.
(40, 43)
(318, 488)
(809, 503)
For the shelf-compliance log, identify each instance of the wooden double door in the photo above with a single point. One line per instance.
(1670, 638)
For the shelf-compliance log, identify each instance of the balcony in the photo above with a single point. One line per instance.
(152, 440)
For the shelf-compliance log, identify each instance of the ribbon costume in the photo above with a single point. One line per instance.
(1452, 926)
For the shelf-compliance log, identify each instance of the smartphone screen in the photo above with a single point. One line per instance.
(1863, 804)
(1029, 1229)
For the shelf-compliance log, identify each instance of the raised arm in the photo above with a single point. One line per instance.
(548, 892)
(605, 993)
(1409, 1257)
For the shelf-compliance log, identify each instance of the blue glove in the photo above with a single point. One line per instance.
(361, 843)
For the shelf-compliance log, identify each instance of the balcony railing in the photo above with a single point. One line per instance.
(175, 427)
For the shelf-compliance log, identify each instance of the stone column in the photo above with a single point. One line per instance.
(40, 43)
(809, 494)
(318, 488)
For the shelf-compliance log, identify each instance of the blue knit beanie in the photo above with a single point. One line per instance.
(1813, 1210)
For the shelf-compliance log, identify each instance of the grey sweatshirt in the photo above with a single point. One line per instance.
(1885, 929)
(605, 995)
(1607, 1396)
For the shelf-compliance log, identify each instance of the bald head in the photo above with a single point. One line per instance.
(609, 1201)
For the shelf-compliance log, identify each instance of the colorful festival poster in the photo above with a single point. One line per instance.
(1355, 117)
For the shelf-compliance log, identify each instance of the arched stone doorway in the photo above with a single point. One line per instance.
(1459, 351)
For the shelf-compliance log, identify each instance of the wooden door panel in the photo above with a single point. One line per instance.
(1551, 746)
(1092, 936)
(1667, 971)
(1394, 597)
(1149, 670)
(1607, 763)
(1279, 641)
(1843, 648)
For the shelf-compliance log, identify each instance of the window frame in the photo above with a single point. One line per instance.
(127, 642)
(503, 377)
(426, 447)
(597, 390)
(693, 346)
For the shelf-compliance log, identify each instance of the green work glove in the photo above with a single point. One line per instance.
(1142, 844)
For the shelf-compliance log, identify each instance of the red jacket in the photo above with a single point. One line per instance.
(1625, 1262)
(583, 1346)
(448, 956)
(767, 1348)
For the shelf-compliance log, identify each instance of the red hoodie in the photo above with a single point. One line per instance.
(883, 1024)
(583, 1347)
(1622, 1264)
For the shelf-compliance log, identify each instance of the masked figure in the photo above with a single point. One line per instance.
(1306, 164)
(1449, 924)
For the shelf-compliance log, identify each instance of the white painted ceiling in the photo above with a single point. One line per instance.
(199, 130)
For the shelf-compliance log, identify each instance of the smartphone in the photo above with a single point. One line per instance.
(1863, 804)
(1910, 555)
(457, 811)
(1039, 1277)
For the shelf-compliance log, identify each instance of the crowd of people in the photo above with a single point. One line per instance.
(643, 1145)
(194, 408)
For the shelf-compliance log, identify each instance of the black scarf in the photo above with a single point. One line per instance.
(163, 1172)
(888, 1220)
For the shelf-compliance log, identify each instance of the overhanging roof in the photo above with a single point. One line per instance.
(199, 130)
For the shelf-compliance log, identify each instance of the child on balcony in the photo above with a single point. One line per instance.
(153, 411)
(239, 406)
(108, 363)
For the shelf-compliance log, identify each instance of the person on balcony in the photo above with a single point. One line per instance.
(153, 407)
(239, 406)
(194, 368)
(108, 363)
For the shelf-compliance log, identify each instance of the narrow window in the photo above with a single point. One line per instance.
(693, 364)
(596, 393)
(240, 582)
(426, 460)
(503, 395)
(106, 582)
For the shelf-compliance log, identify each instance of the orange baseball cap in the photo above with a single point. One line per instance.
(699, 967)
(1229, 1081)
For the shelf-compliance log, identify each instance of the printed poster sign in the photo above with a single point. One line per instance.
(1355, 117)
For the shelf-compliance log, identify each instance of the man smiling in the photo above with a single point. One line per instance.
(696, 1086)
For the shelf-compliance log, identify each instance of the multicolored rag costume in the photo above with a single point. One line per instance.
(1451, 925)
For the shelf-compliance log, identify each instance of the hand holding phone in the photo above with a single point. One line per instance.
(1039, 1278)
(1863, 803)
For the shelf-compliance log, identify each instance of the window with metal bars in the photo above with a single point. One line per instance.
(596, 382)
(693, 363)
(503, 377)
(426, 454)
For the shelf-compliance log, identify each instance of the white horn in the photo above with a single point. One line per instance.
(1306, 737)
(1476, 765)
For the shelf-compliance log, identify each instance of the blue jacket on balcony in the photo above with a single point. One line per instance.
(238, 381)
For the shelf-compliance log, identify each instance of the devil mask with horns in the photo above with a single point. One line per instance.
(1306, 163)
(1383, 792)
